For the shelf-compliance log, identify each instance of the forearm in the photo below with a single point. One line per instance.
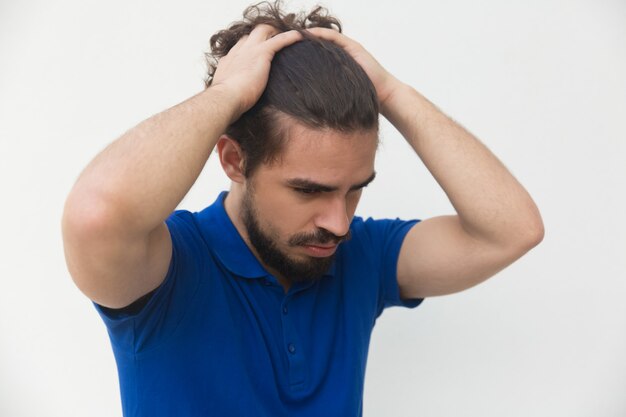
(490, 202)
(140, 178)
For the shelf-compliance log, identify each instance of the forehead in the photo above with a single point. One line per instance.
(326, 153)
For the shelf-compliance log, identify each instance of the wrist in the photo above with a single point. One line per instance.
(393, 98)
(226, 101)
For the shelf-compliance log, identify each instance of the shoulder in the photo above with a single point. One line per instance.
(180, 218)
(377, 230)
(185, 230)
(377, 239)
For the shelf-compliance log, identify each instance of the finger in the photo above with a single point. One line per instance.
(330, 35)
(239, 43)
(263, 32)
(283, 39)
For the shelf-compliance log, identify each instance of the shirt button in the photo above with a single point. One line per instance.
(266, 282)
(292, 348)
(285, 310)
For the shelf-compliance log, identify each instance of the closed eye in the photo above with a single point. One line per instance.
(306, 187)
(307, 191)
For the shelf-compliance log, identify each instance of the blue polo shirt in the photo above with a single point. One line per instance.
(220, 337)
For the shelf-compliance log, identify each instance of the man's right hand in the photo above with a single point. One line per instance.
(117, 244)
(242, 74)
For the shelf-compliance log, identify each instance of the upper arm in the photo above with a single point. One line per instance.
(109, 264)
(439, 257)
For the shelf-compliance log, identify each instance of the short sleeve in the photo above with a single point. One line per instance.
(386, 237)
(168, 304)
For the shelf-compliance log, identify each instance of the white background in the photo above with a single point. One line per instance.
(541, 83)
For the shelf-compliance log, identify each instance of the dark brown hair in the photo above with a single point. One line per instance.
(312, 81)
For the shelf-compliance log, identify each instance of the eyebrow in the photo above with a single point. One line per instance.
(316, 186)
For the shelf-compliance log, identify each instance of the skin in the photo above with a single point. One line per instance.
(496, 222)
(343, 163)
(118, 247)
(116, 243)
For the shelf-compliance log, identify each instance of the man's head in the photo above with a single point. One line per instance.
(295, 212)
(302, 153)
(314, 81)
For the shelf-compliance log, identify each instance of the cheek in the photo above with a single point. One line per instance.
(284, 216)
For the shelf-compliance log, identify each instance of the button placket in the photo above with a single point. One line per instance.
(267, 282)
(297, 362)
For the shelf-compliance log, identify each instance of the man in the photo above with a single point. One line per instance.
(263, 303)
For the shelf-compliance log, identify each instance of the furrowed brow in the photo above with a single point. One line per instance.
(308, 184)
(364, 183)
(315, 186)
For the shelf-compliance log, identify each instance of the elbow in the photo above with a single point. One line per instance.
(83, 219)
(539, 233)
(536, 227)
(524, 233)
(532, 233)
(535, 237)
(85, 226)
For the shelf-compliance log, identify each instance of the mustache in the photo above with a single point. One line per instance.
(319, 237)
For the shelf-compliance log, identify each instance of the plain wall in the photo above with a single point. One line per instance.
(541, 83)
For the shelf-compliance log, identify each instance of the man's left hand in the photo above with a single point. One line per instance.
(384, 82)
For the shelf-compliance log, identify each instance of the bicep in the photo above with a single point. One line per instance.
(439, 257)
(114, 268)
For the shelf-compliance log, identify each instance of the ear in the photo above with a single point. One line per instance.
(231, 158)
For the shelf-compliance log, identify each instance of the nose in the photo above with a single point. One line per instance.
(334, 217)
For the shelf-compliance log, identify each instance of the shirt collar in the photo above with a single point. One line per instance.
(225, 241)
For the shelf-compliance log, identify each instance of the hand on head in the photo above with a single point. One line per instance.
(243, 72)
(241, 55)
(384, 82)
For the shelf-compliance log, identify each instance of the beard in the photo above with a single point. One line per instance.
(266, 245)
